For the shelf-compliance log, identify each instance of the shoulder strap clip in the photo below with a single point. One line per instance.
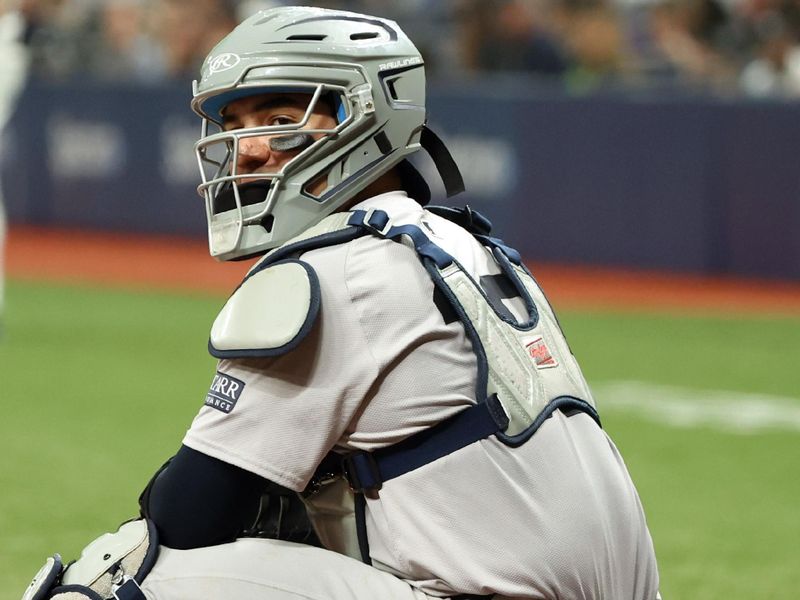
(362, 472)
(374, 220)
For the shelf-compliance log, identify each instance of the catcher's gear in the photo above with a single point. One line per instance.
(269, 314)
(365, 68)
(112, 566)
(526, 370)
(44, 579)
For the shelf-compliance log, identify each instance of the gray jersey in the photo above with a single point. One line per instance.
(557, 517)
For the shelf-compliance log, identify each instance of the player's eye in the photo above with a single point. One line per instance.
(282, 120)
(230, 125)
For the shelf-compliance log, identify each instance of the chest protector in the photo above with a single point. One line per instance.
(526, 370)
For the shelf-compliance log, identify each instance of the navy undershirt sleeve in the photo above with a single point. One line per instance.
(197, 500)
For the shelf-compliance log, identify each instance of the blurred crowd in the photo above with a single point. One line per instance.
(747, 47)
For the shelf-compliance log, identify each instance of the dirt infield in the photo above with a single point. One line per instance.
(172, 263)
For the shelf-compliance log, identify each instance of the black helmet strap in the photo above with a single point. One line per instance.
(447, 167)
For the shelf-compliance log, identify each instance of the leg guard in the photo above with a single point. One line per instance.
(112, 566)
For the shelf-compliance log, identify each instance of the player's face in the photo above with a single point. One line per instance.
(255, 154)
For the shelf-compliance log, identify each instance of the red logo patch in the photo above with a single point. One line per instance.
(540, 354)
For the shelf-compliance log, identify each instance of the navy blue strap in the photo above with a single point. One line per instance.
(377, 222)
(361, 527)
(368, 470)
(423, 245)
(494, 242)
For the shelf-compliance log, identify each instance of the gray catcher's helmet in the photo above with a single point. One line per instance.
(372, 75)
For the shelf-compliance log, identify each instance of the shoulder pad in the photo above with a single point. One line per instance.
(269, 314)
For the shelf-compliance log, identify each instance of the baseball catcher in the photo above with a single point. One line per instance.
(395, 413)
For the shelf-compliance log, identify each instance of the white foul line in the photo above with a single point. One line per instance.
(690, 407)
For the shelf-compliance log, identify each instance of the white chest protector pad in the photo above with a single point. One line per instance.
(269, 314)
(276, 305)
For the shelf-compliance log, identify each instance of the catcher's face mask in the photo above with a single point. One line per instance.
(373, 79)
(261, 152)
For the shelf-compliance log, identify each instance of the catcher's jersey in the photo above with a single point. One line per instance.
(557, 517)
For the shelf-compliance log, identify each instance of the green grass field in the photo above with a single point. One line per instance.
(98, 386)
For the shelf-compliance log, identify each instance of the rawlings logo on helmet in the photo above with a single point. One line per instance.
(223, 62)
(399, 64)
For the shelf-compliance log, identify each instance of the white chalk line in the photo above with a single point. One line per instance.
(730, 411)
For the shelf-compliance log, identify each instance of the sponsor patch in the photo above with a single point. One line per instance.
(540, 354)
(225, 391)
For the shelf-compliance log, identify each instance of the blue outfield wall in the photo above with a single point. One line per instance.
(699, 185)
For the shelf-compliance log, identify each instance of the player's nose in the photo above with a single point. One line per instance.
(254, 153)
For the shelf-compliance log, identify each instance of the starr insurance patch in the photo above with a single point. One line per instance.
(225, 391)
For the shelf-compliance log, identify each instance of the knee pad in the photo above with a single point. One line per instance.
(111, 567)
